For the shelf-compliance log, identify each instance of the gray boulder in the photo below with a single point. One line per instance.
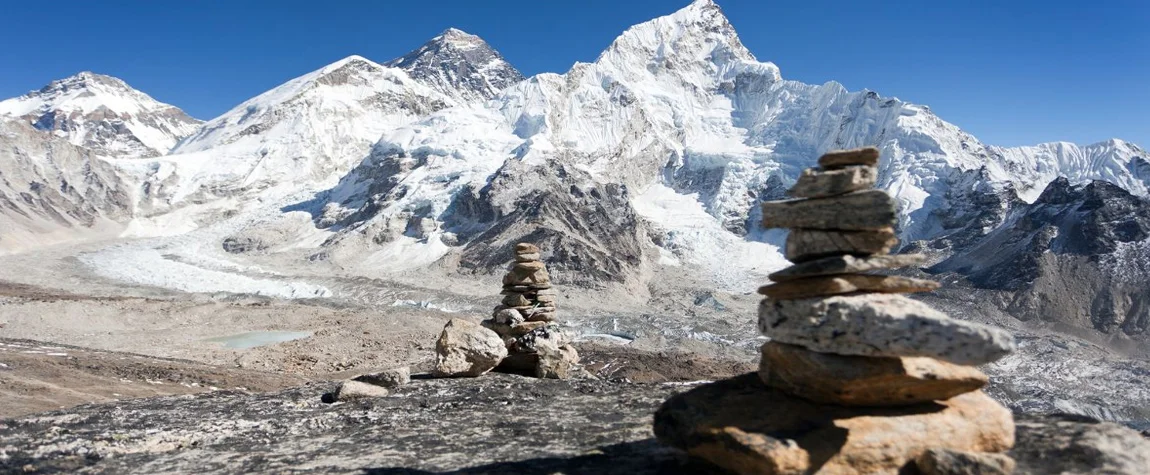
(351, 390)
(881, 325)
(954, 462)
(467, 349)
(391, 378)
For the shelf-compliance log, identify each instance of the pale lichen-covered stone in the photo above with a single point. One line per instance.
(351, 390)
(881, 325)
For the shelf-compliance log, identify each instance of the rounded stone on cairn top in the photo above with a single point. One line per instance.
(525, 248)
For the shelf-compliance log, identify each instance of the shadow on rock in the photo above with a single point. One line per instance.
(640, 457)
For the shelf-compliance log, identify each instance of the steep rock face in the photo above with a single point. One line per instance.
(103, 114)
(52, 190)
(589, 232)
(459, 65)
(1077, 255)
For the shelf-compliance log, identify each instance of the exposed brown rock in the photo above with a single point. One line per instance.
(548, 316)
(510, 331)
(844, 284)
(528, 267)
(841, 158)
(837, 439)
(864, 380)
(814, 183)
(534, 256)
(806, 244)
(750, 453)
(856, 211)
(846, 264)
(515, 299)
(526, 248)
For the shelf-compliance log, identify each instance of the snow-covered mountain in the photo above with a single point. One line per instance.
(1078, 255)
(103, 114)
(460, 65)
(53, 191)
(308, 131)
(663, 147)
(695, 132)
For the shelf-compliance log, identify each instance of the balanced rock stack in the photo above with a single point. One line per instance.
(856, 378)
(524, 320)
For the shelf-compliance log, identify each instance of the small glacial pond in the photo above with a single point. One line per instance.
(243, 341)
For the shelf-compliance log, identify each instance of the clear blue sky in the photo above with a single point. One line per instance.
(1011, 72)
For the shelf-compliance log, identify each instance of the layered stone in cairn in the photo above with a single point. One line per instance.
(524, 320)
(856, 378)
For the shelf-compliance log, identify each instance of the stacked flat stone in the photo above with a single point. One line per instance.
(523, 319)
(527, 287)
(848, 351)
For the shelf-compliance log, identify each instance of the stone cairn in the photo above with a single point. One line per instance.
(856, 378)
(524, 319)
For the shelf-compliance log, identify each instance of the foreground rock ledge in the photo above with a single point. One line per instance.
(493, 424)
(742, 425)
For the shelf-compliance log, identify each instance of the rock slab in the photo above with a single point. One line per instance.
(844, 284)
(846, 264)
(467, 349)
(858, 211)
(836, 439)
(392, 378)
(352, 390)
(864, 380)
(842, 158)
(819, 184)
(806, 244)
(881, 325)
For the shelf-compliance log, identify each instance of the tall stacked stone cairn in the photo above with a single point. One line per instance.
(525, 320)
(856, 378)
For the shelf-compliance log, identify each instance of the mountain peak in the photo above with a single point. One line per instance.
(699, 32)
(460, 65)
(102, 113)
(456, 33)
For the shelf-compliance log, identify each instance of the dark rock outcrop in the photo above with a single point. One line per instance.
(495, 424)
(1077, 255)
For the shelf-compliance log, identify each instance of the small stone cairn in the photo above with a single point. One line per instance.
(857, 378)
(524, 319)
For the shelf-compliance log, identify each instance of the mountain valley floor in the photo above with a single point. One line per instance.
(86, 347)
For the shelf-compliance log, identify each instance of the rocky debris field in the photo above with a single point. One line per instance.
(497, 423)
(37, 376)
